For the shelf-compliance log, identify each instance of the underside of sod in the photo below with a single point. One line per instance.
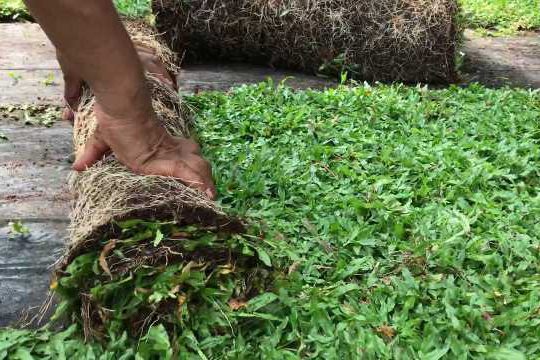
(388, 41)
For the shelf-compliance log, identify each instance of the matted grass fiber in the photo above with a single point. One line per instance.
(379, 40)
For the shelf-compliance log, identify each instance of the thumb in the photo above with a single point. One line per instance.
(94, 150)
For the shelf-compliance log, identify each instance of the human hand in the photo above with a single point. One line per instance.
(146, 148)
(135, 136)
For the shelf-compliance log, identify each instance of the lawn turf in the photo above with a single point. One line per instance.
(406, 221)
(501, 17)
(412, 214)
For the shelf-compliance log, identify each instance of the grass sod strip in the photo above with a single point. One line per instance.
(390, 40)
(404, 223)
(185, 279)
(119, 275)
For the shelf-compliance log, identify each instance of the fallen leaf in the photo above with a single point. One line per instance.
(102, 257)
(181, 235)
(294, 266)
(236, 304)
(386, 331)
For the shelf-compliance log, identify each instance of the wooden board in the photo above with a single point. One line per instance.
(34, 166)
(28, 66)
(222, 77)
(513, 61)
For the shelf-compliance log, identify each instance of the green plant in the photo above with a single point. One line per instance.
(14, 77)
(37, 115)
(13, 10)
(501, 17)
(49, 80)
(18, 228)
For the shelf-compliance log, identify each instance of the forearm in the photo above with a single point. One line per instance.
(91, 38)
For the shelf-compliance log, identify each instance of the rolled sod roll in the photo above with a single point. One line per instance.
(374, 40)
(109, 192)
(147, 252)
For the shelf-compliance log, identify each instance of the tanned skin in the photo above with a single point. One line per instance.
(93, 47)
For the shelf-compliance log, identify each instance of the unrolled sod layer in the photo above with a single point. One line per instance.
(146, 250)
(376, 40)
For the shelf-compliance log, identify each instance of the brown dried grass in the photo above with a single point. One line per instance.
(374, 40)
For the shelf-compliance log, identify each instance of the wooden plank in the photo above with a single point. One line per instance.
(25, 262)
(25, 47)
(222, 77)
(34, 165)
(31, 86)
(27, 66)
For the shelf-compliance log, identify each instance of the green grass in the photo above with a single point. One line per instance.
(133, 8)
(406, 221)
(13, 10)
(407, 209)
(501, 17)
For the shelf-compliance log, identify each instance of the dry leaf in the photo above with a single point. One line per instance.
(236, 304)
(181, 301)
(181, 235)
(103, 256)
(294, 266)
(386, 331)
(226, 269)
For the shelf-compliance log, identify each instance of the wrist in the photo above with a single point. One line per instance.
(126, 99)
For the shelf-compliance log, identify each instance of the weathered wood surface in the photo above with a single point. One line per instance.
(220, 77)
(28, 66)
(34, 164)
(33, 171)
(513, 61)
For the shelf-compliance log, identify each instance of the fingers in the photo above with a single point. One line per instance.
(94, 150)
(73, 85)
(153, 65)
(205, 171)
(196, 175)
(201, 180)
(72, 96)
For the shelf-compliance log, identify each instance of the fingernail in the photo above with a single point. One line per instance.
(209, 193)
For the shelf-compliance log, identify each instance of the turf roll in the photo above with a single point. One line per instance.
(147, 252)
(374, 40)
